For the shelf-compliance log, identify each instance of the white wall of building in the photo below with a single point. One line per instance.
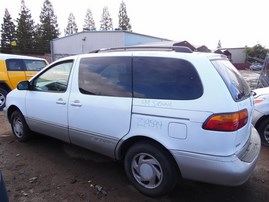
(87, 41)
(238, 55)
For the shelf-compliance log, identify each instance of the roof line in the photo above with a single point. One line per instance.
(110, 31)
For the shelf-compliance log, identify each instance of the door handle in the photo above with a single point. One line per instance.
(30, 75)
(76, 103)
(60, 101)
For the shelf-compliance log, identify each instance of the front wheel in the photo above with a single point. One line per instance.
(151, 169)
(19, 126)
(263, 130)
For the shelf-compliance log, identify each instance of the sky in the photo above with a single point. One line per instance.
(236, 23)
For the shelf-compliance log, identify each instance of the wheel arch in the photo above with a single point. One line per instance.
(261, 120)
(5, 86)
(10, 110)
(126, 144)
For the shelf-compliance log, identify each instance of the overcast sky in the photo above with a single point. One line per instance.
(236, 23)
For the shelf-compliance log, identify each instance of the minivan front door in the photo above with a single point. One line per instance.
(46, 103)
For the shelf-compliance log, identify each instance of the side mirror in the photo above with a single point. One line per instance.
(23, 85)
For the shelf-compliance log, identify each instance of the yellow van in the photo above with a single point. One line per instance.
(16, 68)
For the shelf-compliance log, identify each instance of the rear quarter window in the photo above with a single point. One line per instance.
(165, 78)
(15, 65)
(234, 81)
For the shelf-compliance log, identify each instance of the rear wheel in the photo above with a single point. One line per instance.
(151, 169)
(263, 130)
(3, 94)
(19, 127)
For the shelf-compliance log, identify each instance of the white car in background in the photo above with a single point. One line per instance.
(261, 113)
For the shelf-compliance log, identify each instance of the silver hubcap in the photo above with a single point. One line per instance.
(2, 100)
(18, 127)
(147, 170)
(266, 134)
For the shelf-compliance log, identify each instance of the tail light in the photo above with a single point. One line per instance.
(259, 100)
(227, 121)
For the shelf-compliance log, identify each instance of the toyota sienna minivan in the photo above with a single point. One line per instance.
(165, 112)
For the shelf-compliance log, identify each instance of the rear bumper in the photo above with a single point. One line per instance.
(224, 170)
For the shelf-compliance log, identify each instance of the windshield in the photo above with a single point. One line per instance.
(236, 84)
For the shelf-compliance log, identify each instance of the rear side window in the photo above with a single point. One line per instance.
(25, 65)
(236, 84)
(165, 78)
(106, 76)
(15, 65)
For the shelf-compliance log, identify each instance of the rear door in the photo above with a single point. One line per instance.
(100, 103)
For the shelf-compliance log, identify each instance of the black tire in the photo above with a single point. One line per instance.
(151, 169)
(263, 129)
(19, 127)
(3, 95)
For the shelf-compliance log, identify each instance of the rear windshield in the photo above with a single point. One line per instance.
(236, 84)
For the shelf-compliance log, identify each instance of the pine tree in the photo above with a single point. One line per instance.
(219, 45)
(89, 21)
(48, 29)
(71, 25)
(8, 34)
(106, 20)
(124, 21)
(25, 30)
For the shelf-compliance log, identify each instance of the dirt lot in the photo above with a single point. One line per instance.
(45, 169)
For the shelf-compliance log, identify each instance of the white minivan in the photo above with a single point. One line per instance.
(164, 111)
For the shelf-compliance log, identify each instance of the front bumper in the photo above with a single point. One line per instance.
(256, 116)
(223, 170)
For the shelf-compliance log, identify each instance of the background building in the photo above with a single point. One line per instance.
(87, 41)
(236, 55)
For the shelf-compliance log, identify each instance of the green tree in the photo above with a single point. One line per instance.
(256, 53)
(124, 21)
(25, 30)
(71, 27)
(106, 20)
(89, 21)
(8, 34)
(47, 29)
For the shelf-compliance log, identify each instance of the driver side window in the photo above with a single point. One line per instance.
(54, 79)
